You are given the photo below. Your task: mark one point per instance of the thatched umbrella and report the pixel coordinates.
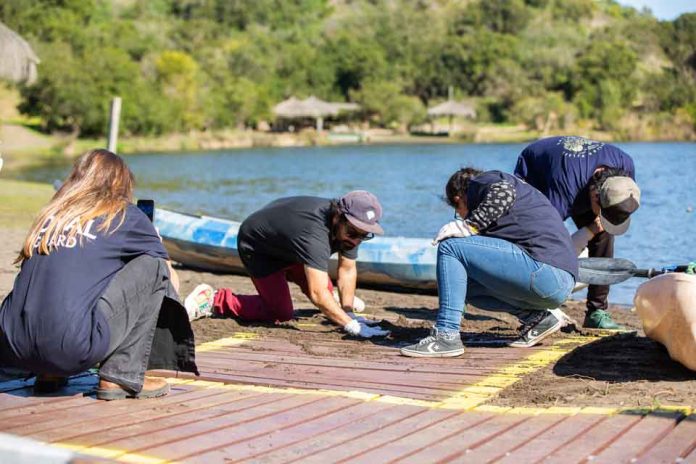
(453, 108)
(311, 107)
(17, 60)
(290, 108)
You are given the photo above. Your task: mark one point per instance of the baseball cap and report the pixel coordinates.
(362, 209)
(619, 197)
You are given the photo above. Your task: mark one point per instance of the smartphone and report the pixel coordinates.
(147, 207)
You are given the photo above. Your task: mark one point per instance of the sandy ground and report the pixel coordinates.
(620, 370)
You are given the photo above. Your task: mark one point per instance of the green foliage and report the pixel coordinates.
(504, 16)
(605, 87)
(679, 40)
(385, 102)
(572, 10)
(184, 65)
(544, 113)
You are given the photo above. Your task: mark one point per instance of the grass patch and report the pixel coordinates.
(21, 201)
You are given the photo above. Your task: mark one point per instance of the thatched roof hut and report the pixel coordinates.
(311, 107)
(453, 108)
(17, 60)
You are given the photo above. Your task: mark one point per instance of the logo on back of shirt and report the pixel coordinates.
(64, 239)
(579, 147)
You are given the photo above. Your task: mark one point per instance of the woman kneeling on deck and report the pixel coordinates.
(94, 276)
(507, 250)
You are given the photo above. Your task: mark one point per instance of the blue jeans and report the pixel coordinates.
(495, 275)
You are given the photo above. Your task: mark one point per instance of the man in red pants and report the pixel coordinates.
(291, 240)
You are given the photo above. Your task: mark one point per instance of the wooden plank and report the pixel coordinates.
(455, 445)
(149, 433)
(639, 438)
(288, 438)
(91, 419)
(166, 434)
(424, 394)
(25, 414)
(361, 429)
(689, 459)
(357, 374)
(232, 357)
(272, 361)
(420, 440)
(79, 407)
(679, 443)
(553, 439)
(395, 431)
(357, 377)
(226, 431)
(593, 440)
(507, 443)
(331, 348)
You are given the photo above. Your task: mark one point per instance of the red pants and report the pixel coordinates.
(272, 304)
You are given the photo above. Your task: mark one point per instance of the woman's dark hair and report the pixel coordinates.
(458, 184)
(599, 177)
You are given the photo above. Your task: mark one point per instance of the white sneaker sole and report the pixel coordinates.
(445, 354)
(563, 320)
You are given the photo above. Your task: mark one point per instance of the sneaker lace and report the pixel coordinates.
(602, 316)
(531, 321)
(427, 340)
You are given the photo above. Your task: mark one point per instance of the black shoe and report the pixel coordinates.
(436, 345)
(49, 383)
(539, 325)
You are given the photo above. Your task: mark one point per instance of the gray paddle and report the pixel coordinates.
(608, 271)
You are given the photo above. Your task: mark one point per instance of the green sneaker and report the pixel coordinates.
(600, 319)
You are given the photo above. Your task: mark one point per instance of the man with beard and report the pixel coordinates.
(592, 183)
(291, 240)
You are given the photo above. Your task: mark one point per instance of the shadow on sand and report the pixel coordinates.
(623, 358)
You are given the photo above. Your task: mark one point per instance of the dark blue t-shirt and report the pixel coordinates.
(561, 168)
(531, 222)
(50, 322)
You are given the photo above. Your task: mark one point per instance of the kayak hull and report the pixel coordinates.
(210, 244)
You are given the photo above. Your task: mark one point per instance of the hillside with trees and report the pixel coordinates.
(183, 65)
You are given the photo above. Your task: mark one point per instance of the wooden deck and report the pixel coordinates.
(273, 401)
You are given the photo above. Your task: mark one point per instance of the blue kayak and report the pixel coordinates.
(210, 244)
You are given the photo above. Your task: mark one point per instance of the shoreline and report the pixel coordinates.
(24, 148)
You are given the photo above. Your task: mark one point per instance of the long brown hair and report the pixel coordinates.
(100, 184)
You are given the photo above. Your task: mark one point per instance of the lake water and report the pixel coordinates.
(409, 181)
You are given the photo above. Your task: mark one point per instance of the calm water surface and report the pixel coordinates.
(409, 181)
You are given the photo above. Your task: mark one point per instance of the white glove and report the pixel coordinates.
(358, 304)
(456, 228)
(363, 320)
(359, 329)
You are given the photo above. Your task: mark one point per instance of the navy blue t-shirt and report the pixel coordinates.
(531, 222)
(287, 231)
(50, 322)
(561, 168)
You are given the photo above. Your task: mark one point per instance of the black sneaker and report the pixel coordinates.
(539, 325)
(436, 345)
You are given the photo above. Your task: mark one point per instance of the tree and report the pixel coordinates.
(385, 103)
(602, 80)
(177, 76)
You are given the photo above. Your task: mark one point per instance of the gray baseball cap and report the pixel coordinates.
(619, 197)
(362, 209)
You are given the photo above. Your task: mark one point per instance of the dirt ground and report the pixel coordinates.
(623, 370)
(626, 370)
